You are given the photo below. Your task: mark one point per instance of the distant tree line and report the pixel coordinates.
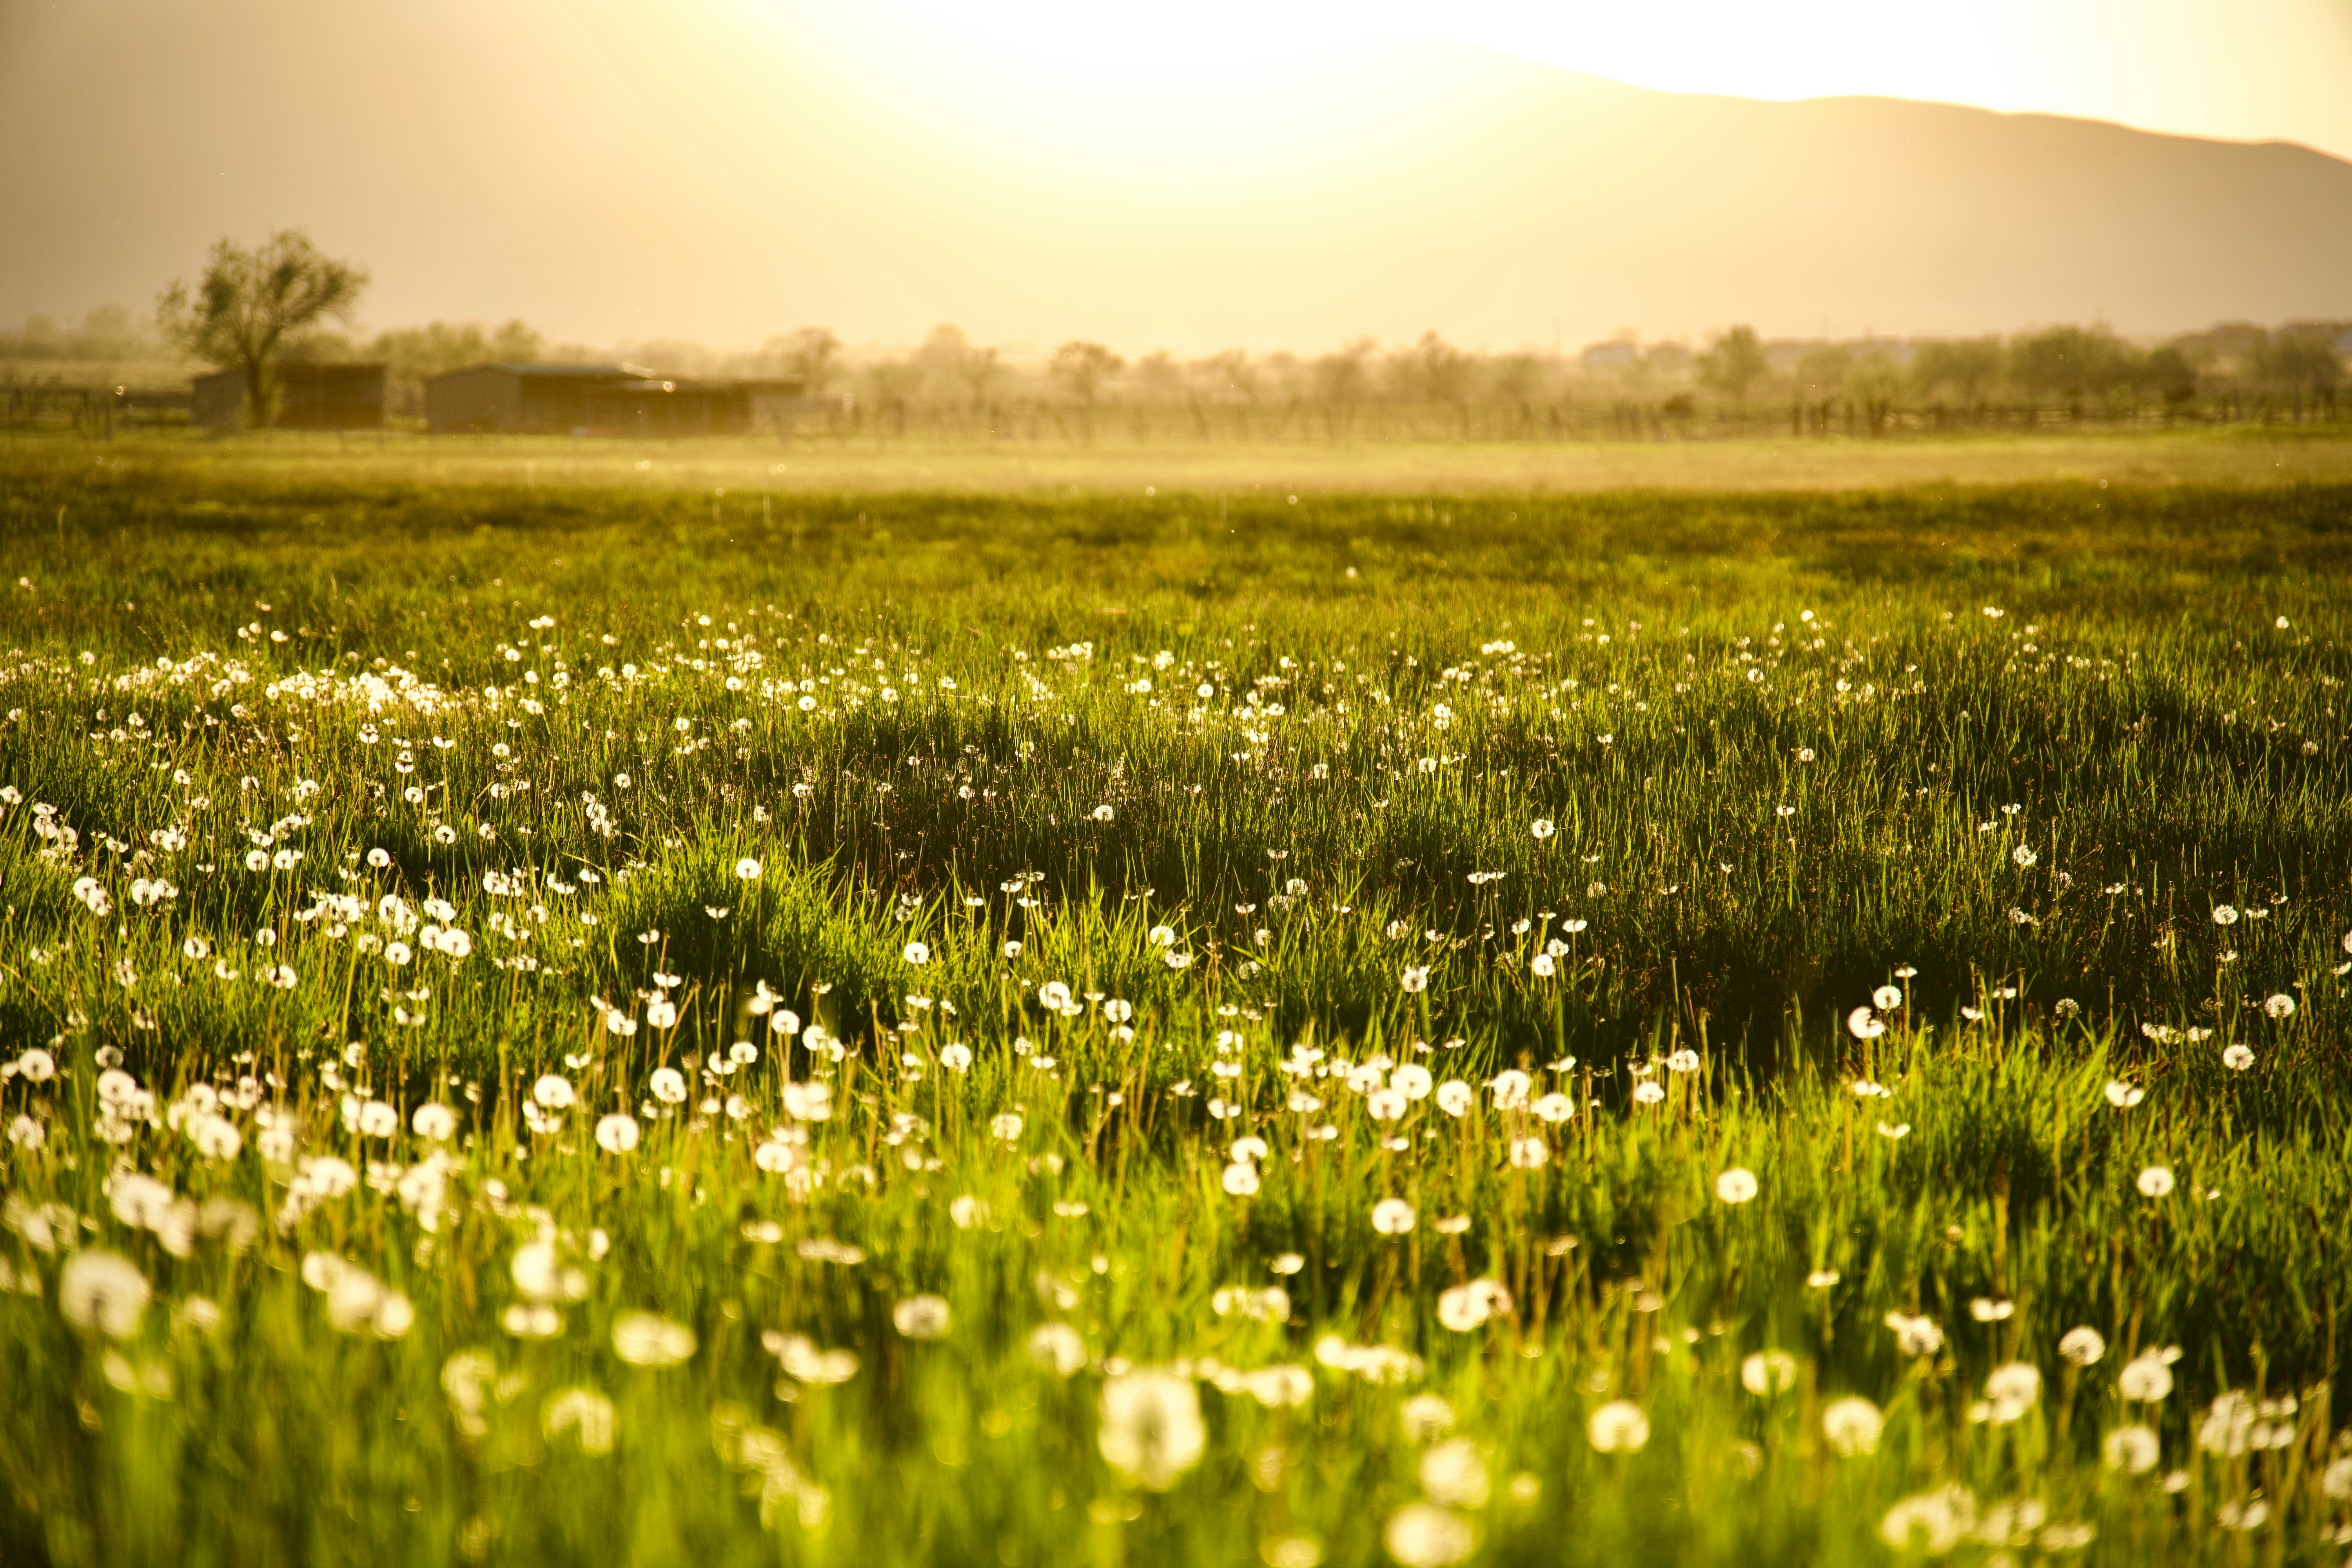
(284, 300)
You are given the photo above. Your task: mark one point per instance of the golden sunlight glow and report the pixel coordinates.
(2256, 69)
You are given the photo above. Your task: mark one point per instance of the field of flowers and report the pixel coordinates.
(564, 1024)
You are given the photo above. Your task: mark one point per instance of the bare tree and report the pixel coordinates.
(812, 355)
(1431, 371)
(1340, 377)
(250, 300)
(976, 368)
(1735, 364)
(1233, 368)
(1083, 365)
(1969, 366)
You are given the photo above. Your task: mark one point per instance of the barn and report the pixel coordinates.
(601, 400)
(501, 398)
(309, 397)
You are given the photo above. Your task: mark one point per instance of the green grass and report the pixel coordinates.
(1789, 753)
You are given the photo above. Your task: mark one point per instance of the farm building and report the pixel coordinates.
(654, 405)
(309, 397)
(602, 400)
(544, 399)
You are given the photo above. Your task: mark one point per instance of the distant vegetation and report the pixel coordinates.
(1739, 383)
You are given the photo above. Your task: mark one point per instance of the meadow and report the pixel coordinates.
(572, 1018)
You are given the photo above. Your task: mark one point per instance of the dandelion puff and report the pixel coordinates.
(2225, 914)
(1887, 998)
(1618, 1428)
(1416, 980)
(646, 1338)
(1393, 1217)
(748, 869)
(2156, 1182)
(105, 1291)
(1542, 827)
(554, 1091)
(1853, 1426)
(922, 1317)
(1736, 1185)
(1151, 1428)
(617, 1133)
(1945, 1516)
(2010, 1391)
(668, 1086)
(2237, 1058)
(2133, 1450)
(918, 953)
(1058, 1348)
(1452, 1473)
(1768, 1373)
(2146, 1378)
(583, 1413)
(1863, 1024)
(2082, 1347)
(1241, 1179)
(1423, 1535)
(2279, 1005)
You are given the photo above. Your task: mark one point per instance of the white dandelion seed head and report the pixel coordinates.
(1618, 1426)
(922, 1317)
(2146, 1378)
(1853, 1426)
(1423, 1535)
(1151, 1429)
(1768, 1373)
(617, 1133)
(649, 1340)
(103, 1291)
(2133, 1450)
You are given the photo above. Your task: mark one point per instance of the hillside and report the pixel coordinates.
(610, 177)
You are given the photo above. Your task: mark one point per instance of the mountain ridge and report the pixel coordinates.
(610, 178)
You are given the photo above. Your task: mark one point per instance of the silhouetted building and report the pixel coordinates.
(651, 406)
(544, 399)
(309, 397)
(601, 400)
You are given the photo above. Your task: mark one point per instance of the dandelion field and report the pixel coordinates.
(560, 1023)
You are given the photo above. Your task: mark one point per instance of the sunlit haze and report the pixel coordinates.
(1195, 177)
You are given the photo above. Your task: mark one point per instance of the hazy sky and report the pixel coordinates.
(2244, 69)
(1194, 175)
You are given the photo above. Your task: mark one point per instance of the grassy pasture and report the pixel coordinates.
(1114, 461)
(1507, 856)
